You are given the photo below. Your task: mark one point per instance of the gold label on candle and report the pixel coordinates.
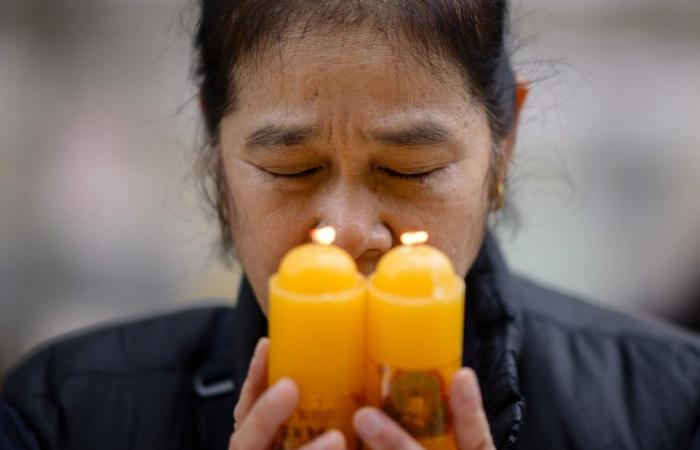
(416, 400)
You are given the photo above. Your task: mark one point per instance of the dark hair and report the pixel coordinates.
(471, 34)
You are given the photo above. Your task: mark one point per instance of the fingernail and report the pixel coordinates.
(281, 389)
(258, 346)
(470, 389)
(368, 422)
(330, 439)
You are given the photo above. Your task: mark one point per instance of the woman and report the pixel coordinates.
(374, 117)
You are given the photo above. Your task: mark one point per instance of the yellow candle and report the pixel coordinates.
(415, 315)
(317, 338)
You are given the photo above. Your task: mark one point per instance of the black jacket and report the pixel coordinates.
(556, 373)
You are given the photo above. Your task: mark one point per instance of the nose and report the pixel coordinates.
(356, 215)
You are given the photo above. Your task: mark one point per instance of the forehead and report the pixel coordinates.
(356, 68)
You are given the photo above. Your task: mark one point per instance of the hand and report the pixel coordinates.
(261, 411)
(471, 427)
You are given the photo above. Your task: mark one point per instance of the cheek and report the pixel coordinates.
(456, 218)
(263, 225)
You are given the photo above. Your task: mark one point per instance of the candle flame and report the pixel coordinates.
(414, 237)
(323, 236)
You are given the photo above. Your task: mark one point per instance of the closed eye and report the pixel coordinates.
(293, 175)
(407, 176)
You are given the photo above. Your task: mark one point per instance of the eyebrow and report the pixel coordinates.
(422, 134)
(270, 136)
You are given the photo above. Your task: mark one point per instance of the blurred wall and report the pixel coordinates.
(100, 215)
(607, 177)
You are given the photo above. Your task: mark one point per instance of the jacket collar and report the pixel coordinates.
(491, 339)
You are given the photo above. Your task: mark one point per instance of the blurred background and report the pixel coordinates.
(101, 217)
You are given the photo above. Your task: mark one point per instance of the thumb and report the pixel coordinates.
(472, 429)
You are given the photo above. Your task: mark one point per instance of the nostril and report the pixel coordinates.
(368, 261)
(366, 268)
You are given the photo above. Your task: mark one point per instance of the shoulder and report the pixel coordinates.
(159, 342)
(118, 363)
(548, 309)
(616, 379)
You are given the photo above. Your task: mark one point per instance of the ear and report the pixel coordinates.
(522, 90)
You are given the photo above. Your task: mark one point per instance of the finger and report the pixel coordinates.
(330, 440)
(379, 432)
(262, 423)
(471, 425)
(255, 382)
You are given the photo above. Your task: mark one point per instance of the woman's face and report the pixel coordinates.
(351, 132)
